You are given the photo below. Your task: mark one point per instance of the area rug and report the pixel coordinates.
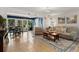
(62, 45)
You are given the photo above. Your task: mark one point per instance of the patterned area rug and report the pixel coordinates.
(62, 45)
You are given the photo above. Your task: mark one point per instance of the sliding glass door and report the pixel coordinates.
(11, 24)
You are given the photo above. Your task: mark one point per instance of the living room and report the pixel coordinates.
(54, 29)
(62, 27)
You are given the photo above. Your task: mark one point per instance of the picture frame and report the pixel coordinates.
(61, 20)
(72, 20)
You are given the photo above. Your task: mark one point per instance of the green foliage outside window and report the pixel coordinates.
(2, 22)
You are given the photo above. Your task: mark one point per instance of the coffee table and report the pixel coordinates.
(51, 35)
(55, 36)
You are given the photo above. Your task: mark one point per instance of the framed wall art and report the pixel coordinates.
(61, 20)
(72, 20)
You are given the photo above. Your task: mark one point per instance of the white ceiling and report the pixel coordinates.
(41, 11)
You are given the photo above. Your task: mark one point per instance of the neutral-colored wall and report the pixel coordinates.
(68, 14)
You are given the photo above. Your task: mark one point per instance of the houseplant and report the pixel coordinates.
(2, 23)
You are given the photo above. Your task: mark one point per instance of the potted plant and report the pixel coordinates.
(2, 32)
(2, 23)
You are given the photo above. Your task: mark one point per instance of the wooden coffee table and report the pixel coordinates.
(55, 36)
(51, 35)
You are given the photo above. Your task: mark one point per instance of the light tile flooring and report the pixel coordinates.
(28, 43)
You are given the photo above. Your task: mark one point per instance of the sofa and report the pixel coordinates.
(67, 32)
(38, 31)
